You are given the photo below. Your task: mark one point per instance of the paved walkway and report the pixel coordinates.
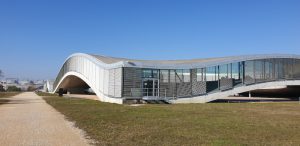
(27, 120)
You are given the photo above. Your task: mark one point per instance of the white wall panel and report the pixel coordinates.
(106, 78)
(80, 65)
(90, 71)
(84, 66)
(118, 82)
(94, 73)
(99, 79)
(111, 82)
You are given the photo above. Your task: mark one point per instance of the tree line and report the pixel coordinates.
(9, 88)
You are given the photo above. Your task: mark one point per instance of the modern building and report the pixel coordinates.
(117, 80)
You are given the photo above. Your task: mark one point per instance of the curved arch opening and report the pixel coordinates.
(75, 85)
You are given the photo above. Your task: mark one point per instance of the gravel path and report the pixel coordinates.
(27, 120)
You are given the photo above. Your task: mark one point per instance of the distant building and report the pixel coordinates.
(12, 81)
(24, 82)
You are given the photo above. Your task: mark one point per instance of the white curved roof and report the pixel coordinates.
(113, 62)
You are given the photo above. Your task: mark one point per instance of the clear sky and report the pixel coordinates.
(36, 36)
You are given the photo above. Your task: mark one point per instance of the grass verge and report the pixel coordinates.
(185, 124)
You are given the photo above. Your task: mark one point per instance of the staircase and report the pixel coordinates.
(156, 100)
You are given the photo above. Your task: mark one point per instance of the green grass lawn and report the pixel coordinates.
(184, 124)
(6, 95)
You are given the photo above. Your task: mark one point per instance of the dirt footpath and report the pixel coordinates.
(27, 120)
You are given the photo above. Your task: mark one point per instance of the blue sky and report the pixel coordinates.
(36, 36)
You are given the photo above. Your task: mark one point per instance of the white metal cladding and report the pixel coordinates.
(118, 82)
(115, 82)
(94, 75)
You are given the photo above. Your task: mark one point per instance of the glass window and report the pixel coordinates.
(186, 75)
(211, 73)
(236, 70)
(271, 68)
(276, 75)
(155, 73)
(147, 73)
(172, 76)
(164, 76)
(280, 69)
(259, 68)
(288, 68)
(179, 75)
(297, 69)
(223, 71)
(150, 73)
(267, 70)
(200, 76)
(249, 70)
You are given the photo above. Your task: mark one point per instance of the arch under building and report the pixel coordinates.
(117, 80)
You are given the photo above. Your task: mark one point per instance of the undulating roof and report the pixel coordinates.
(111, 60)
(186, 64)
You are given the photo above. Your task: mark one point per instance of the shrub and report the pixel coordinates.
(13, 89)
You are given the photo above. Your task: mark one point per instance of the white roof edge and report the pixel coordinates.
(98, 62)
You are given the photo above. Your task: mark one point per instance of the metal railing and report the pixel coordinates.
(150, 93)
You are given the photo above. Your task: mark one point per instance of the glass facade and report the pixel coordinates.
(224, 71)
(187, 82)
(249, 77)
(200, 74)
(186, 76)
(150, 73)
(164, 76)
(211, 73)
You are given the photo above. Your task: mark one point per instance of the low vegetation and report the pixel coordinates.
(13, 89)
(185, 124)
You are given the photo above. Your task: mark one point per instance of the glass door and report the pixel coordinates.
(150, 87)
